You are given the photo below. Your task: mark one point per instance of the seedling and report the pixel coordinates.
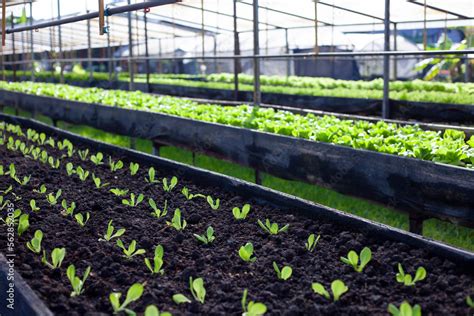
(152, 310)
(76, 283)
(169, 187)
(53, 199)
(68, 210)
(35, 243)
(97, 158)
(197, 289)
(133, 294)
(53, 163)
(83, 174)
(272, 228)
(33, 206)
(157, 261)
(83, 154)
(118, 192)
(283, 274)
(158, 213)
(151, 176)
(42, 189)
(189, 196)
(405, 309)
(246, 253)
(252, 308)
(98, 182)
(241, 214)
(57, 257)
(213, 204)
(134, 168)
(407, 279)
(208, 237)
(70, 169)
(180, 299)
(132, 250)
(312, 242)
(23, 223)
(353, 259)
(177, 222)
(469, 300)
(81, 219)
(109, 235)
(114, 166)
(11, 220)
(133, 202)
(338, 288)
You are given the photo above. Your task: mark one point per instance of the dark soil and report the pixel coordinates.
(443, 292)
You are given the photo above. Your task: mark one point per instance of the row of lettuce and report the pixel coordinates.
(416, 90)
(449, 147)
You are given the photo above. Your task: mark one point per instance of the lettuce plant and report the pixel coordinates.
(272, 228)
(168, 187)
(152, 310)
(114, 166)
(42, 189)
(132, 250)
(97, 158)
(70, 169)
(82, 219)
(241, 214)
(151, 176)
(197, 289)
(158, 213)
(68, 210)
(53, 163)
(246, 252)
(180, 299)
(157, 265)
(118, 192)
(83, 174)
(188, 195)
(133, 294)
(252, 308)
(133, 202)
(206, 238)
(57, 257)
(405, 309)
(469, 300)
(283, 274)
(76, 282)
(407, 279)
(177, 222)
(23, 223)
(98, 183)
(214, 204)
(35, 243)
(312, 242)
(134, 168)
(109, 234)
(338, 288)
(83, 154)
(353, 259)
(33, 206)
(53, 198)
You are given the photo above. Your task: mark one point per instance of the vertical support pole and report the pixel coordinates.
(32, 48)
(256, 51)
(316, 44)
(386, 63)
(89, 51)
(415, 224)
(109, 54)
(130, 51)
(467, 72)
(160, 70)
(147, 61)
(4, 21)
(287, 51)
(203, 48)
(395, 48)
(258, 177)
(60, 42)
(236, 53)
(101, 17)
(425, 32)
(13, 48)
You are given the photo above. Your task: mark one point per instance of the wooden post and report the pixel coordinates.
(4, 21)
(101, 17)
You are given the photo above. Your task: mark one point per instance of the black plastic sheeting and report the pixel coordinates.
(26, 302)
(411, 185)
(403, 110)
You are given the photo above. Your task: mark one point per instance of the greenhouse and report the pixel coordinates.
(237, 157)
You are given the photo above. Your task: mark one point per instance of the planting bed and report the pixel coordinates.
(225, 274)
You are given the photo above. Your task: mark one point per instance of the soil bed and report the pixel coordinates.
(225, 274)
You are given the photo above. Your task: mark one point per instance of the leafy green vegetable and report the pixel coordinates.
(169, 187)
(158, 213)
(33, 206)
(118, 192)
(252, 308)
(197, 289)
(312, 242)
(83, 154)
(180, 299)
(214, 204)
(114, 166)
(246, 252)
(23, 223)
(132, 250)
(70, 169)
(133, 202)
(206, 238)
(57, 257)
(283, 274)
(469, 301)
(83, 174)
(82, 219)
(152, 310)
(151, 176)
(241, 214)
(157, 261)
(407, 279)
(405, 310)
(35, 243)
(134, 168)
(76, 282)
(272, 228)
(53, 198)
(133, 294)
(68, 210)
(353, 259)
(177, 222)
(97, 158)
(109, 235)
(98, 183)
(338, 288)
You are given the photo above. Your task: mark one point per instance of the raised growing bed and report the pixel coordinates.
(444, 290)
(423, 189)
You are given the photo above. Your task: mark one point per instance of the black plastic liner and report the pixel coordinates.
(403, 110)
(421, 188)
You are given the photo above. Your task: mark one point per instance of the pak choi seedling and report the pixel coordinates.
(109, 234)
(35, 243)
(151, 176)
(97, 158)
(338, 288)
(98, 183)
(246, 253)
(33, 206)
(23, 223)
(272, 228)
(114, 166)
(158, 213)
(283, 274)
(133, 202)
(68, 209)
(83, 174)
(134, 168)
(132, 250)
(405, 309)
(353, 259)
(82, 219)
(177, 222)
(133, 294)
(407, 279)
(118, 192)
(241, 214)
(312, 242)
(77, 283)
(252, 308)
(214, 204)
(157, 265)
(168, 187)
(57, 257)
(206, 238)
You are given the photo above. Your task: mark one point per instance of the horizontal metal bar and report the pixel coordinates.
(92, 15)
